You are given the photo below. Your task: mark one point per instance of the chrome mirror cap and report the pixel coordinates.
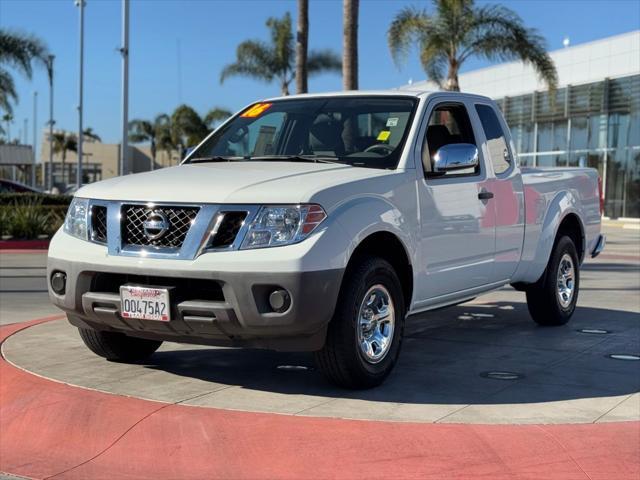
(455, 156)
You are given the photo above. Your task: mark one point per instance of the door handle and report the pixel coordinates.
(484, 195)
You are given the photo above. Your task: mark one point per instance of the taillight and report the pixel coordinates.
(601, 194)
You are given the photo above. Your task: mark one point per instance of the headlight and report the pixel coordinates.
(283, 225)
(76, 221)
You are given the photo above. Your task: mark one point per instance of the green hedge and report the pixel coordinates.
(29, 198)
(27, 216)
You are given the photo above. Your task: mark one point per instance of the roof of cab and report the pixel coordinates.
(405, 92)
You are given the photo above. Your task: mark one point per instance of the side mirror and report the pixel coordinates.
(455, 156)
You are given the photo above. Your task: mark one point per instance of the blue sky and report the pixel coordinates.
(208, 32)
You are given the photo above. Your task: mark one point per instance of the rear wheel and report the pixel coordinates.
(365, 334)
(552, 299)
(118, 346)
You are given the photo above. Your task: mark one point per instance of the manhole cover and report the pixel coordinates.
(624, 356)
(293, 368)
(594, 331)
(502, 375)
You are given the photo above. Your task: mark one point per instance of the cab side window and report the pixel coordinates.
(449, 123)
(496, 141)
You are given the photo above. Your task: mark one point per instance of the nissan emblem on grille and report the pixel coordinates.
(156, 224)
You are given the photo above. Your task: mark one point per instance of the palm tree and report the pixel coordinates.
(8, 119)
(63, 142)
(154, 132)
(275, 60)
(189, 128)
(302, 46)
(89, 134)
(18, 51)
(458, 30)
(350, 44)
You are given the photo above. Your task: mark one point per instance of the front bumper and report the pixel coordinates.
(235, 312)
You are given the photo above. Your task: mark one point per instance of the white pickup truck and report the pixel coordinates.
(320, 223)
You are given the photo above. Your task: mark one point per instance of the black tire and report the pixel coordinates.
(118, 346)
(542, 298)
(341, 359)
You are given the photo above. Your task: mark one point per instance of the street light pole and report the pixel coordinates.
(51, 122)
(124, 50)
(80, 4)
(35, 138)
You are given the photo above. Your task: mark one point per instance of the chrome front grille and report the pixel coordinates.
(99, 224)
(228, 229)
(180, 220)
(177, 232)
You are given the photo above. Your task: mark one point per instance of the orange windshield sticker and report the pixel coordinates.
(256, 110)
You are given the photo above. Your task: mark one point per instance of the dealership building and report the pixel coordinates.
(594, 119)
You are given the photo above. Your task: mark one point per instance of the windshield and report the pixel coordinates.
(359, 131)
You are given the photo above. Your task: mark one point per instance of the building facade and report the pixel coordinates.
(592, 120)
(100, 162)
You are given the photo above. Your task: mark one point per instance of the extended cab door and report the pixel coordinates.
(457, 217)
(507, 189)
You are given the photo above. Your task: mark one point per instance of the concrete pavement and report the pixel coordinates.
(563, 374)
(23, 288)
(571, 411)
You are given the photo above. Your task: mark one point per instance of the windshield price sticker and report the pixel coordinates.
(256, 110)
(392, 122)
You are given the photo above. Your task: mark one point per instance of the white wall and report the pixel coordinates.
(615, 56)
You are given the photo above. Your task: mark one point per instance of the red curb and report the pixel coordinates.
(53, 429)
(13, 252)
(24, 244)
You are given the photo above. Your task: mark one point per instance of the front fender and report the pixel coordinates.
(365, 216)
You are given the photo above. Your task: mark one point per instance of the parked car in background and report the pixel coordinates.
(320, 223)
(10, 186)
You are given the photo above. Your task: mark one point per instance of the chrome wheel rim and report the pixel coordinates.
(566, 281)
(376, 322)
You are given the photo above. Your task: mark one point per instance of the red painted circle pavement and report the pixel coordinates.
(49, 429)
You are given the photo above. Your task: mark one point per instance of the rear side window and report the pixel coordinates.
(496, 141)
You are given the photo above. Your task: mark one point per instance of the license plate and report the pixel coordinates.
(145, 303)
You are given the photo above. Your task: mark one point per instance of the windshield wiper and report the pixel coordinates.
(217, 158)
(298, 158)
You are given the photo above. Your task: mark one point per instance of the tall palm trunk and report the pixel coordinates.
(64, 171)
(153, 153)
(302, 41)
(284, 88)
(350, 45)
(452, 76)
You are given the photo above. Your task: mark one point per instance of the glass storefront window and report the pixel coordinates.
(545, 137)
(560, 135)
(605, 123)
(579, 133)
(597, 131)
(618, 130)
(632, 198)
(616, 176)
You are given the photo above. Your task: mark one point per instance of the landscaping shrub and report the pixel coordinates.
(29, 216)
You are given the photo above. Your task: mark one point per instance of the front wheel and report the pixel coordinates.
(552, 299)
(365, 334)
(118, 346)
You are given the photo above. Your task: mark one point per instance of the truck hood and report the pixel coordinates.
(229, 183)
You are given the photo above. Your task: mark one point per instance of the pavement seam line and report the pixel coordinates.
(614, 407)
(564, 449)
(121, 436)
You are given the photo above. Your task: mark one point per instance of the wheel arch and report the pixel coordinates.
(388, 246)
(563, 215)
